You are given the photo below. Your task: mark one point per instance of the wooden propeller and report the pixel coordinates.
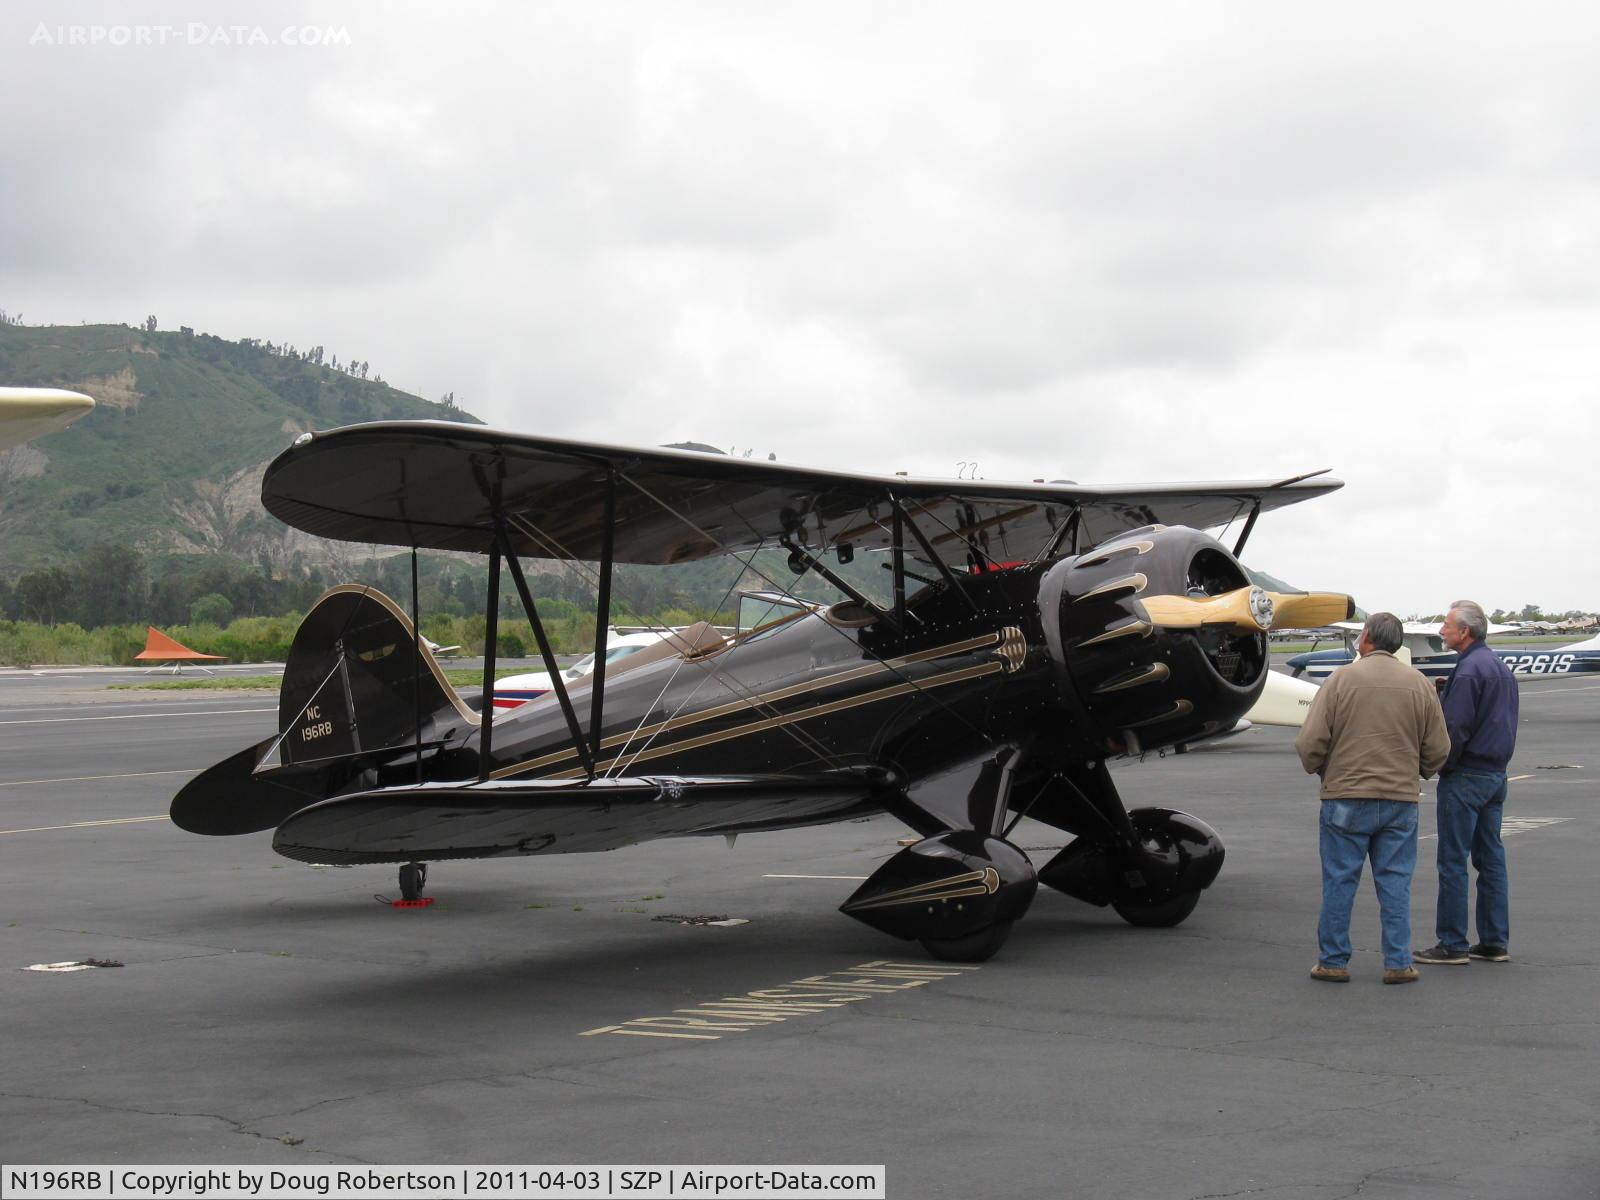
(1249, 610)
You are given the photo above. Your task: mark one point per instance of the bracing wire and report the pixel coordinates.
(717, 671)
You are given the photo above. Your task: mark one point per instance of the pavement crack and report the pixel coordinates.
(234, 1126)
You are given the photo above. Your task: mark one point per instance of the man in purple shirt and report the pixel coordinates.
(1480, 711)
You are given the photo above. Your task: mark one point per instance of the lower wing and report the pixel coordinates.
(501, 818)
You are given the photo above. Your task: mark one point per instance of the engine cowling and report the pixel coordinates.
(1171, 672)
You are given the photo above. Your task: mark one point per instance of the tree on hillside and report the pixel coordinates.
(41, 595)
(150, 323)
(108, 586)
(211, 609)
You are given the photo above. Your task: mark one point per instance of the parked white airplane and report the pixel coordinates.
(1421, 641)
(27, 413)
(1429, 655)
(1284, 701)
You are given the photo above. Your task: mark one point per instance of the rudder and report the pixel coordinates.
(356, 681)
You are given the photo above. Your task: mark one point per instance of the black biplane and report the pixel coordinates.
(1027, 633)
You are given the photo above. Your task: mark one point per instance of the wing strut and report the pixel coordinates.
(899, 567)
(1244, 534)
(1068, 533)
(491, 620)
(801, 559)
(579, 742)
(602, 613)
(416, 663)
(932, 554)
(1255, 511)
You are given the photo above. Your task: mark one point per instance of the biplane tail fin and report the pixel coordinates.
(360, 691)
(358, 683)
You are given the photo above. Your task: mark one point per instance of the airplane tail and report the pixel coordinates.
(359, 683)
(359, 692)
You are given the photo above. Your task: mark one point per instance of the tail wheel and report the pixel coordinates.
(974, 947)
(1164, 914)
(413, 878)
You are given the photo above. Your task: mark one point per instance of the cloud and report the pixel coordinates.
(1152, 241)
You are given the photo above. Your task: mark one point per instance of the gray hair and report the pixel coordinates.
(1471, 617)
(1384, 631)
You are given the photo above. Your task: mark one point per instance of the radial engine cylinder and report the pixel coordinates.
(1142, 678)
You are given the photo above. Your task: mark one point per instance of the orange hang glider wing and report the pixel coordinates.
(158, 647)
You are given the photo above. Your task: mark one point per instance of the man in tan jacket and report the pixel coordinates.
(1373, 730)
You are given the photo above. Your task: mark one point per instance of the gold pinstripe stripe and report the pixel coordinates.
(733, 706)
(822, 710)
(1138, 627)
(952, 887)
(399, 614)
(1134, 583)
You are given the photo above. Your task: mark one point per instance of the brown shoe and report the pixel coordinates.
(1330, 974)
(1400, 975)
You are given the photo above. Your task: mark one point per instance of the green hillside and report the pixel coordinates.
(170, 461)
(149, 508)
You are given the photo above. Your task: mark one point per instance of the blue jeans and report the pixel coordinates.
(1470, 804)
(1353, 830)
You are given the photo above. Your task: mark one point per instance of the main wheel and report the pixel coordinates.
(412, 877)
(975, 947)
(1163, 914)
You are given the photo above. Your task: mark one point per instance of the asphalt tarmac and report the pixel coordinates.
(270, 1012)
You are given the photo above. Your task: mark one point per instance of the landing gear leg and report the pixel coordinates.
(413, 878)
(1150, 864)
(957, 891)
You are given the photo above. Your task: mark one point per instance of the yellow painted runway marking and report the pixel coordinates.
(88, 824)
(713, 1019)
(215, 712)
(92, 778)
(813, 877)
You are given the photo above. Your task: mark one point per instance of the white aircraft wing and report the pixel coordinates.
(27, 413)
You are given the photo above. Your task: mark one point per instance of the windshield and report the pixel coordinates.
(585, 665)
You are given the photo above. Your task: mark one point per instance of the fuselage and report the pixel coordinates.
(816, 691)
(1051, 655)
(1441, 664)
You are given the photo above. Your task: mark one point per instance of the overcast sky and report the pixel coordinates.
(1100, 242)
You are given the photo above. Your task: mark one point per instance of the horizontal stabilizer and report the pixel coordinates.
(507, 817)
(230, 798)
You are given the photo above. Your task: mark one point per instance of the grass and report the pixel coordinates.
(458, 677)
(257, 682)
(473, 676)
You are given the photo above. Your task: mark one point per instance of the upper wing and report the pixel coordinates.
(442, 485)
(508, 817)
